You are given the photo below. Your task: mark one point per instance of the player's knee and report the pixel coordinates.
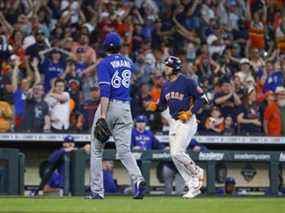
(123, 153)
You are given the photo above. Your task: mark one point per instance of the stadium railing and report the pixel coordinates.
(48, 137)
(12, 172)
(208, 159)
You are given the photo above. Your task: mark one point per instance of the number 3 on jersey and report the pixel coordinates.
(123, 80)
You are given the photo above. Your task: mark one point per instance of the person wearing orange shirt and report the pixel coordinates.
(272, 117)
(156, 87)
(5, 116)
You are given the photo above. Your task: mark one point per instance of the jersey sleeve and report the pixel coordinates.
(198, 94)
(104, 79)
(56, 155)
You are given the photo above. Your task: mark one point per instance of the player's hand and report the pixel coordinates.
(256, 122)
(184, 115)
(152, 106)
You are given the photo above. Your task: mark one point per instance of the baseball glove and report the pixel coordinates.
(102, 131)
(152, 106)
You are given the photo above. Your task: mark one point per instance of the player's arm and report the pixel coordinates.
(200, 100)
(105, 88)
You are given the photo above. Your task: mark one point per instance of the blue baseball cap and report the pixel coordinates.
(68, 138)
(141, 119)
(112, 39)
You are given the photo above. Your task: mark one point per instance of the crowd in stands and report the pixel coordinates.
(234, 49)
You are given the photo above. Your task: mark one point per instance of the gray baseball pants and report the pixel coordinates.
(120, 122)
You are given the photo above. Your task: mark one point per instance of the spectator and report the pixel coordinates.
(215, 123)
(52, 67)
(246, 36)
(245, 72)
(73, 83)
(143, 139)
(59, 107)
(229, 129)
(274, 78)
(35, 44)
(227, 99)
(21, 89)
(83, 46)
(81, 63)
(88, 109)
(248, 118)
(142, 99)
(272, 116)
(5, 116)
(257, 26)
(52, 174)
(280, 93)
(36, 117)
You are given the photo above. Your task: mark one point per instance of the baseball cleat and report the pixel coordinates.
(33, 193)
(191, 194)
(139, 189)
(94, 196)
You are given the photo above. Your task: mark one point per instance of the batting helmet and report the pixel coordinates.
(68, 139)
(112, 40)
(141, 119)
(173, 62)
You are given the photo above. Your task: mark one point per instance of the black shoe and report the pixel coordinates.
(34, 193)
(93, 196)
(140, 187)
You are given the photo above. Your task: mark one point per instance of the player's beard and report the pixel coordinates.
(168, 76)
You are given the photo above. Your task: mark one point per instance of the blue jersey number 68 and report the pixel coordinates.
(123, 80)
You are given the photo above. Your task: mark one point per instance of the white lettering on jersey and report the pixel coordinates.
(174, 95)
(123, 80)
(120, 63)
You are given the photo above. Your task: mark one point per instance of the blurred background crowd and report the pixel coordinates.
(235, 50)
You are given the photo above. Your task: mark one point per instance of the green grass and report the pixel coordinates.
(148, 205)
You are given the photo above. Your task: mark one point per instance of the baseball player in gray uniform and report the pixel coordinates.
(113, 117)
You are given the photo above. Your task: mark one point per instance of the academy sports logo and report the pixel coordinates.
(164, 155)
(211, 156)
(246, 156)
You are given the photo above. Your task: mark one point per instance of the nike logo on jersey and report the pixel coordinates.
(174, 95)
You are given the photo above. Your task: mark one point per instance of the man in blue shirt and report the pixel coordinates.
(53, 177)
(114, 76)
(52, 68)
(143, 139)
